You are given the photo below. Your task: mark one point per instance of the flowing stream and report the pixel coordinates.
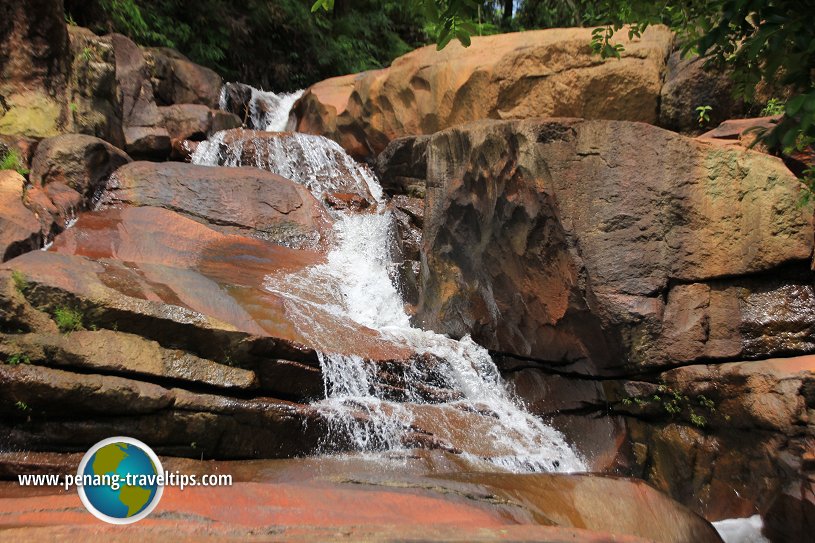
(452, 392)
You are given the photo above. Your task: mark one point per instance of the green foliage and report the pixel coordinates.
(11, 160)
(808, 180)
(774, 107)
(276, 45)
(22, 406)
(20, 282)
(68, 319)
(703, 115)
(18, 358)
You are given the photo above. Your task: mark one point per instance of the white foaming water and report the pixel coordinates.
(741, 530)
(451, 393)
(354, 283)
(267, 110)
(314, 161)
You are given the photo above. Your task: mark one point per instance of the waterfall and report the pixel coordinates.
(451, 393)
(314, 161)
(267, 110)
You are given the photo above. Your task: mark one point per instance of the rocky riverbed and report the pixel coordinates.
(511, 286)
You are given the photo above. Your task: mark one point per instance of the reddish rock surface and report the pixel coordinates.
(323, 499)
(152, 271)
(243, 201)
(19, 227)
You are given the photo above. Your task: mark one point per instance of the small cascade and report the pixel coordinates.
(451, 392)
(267, 110)
(314, 161)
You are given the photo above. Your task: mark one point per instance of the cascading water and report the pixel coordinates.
(267, 110)
(452, 391)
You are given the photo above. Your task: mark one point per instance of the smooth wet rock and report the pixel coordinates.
(508, 76)
(316, 499)
(19, 227)
(610, 246)
(236, 100)
(244, 201)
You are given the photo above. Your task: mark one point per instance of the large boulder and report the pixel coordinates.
(612, 247)
(751, 420)
(508, 76)
(81, 162)
(690, 84)
(177, 80)
(244, 201)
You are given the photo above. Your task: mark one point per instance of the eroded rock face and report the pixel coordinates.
(244, 201)
(612, 247)
(521, 75)
(94, 103)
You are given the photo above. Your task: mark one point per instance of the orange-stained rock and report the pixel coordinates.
(322, 499)
(244, 201)
(19, 227)
(614, 246)
(507, 76)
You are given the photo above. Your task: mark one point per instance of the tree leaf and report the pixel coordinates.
(795, 104)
